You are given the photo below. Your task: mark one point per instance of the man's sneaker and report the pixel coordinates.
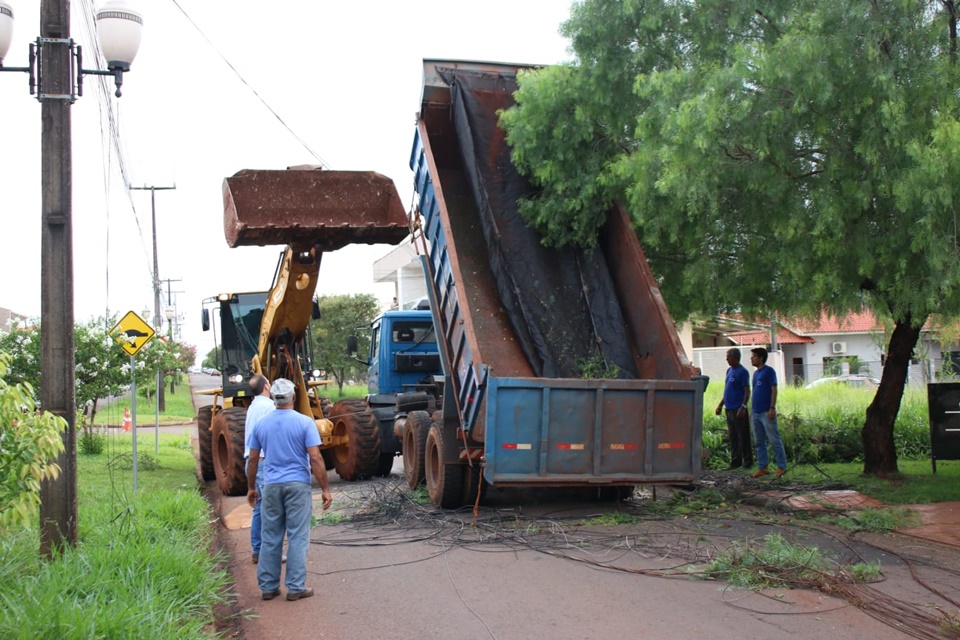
(297, 595)
(759, 473)
(780, 472)
(270, 595)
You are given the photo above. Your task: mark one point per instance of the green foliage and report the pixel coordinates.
(823, 425)
(30, 442)
(343, 316)
(144, 570)
(597, 367)
(212, 359)
(876, 520)
(756, 138)
(102, 368)
(775, 564)
(610, 519)
(92, 440)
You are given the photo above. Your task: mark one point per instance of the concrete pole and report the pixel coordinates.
(58, 497)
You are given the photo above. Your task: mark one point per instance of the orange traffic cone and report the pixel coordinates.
(127, 421)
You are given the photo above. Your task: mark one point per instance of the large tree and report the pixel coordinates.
(342, 316)
(776, 156)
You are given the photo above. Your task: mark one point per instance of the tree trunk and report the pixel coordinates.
(879, 452)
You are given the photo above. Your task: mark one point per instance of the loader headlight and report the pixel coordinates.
(236, 379)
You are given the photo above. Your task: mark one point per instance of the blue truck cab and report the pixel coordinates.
(404, 368)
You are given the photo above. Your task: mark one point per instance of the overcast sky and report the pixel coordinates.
(344, 76)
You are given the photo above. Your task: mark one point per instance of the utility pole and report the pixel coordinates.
(58, 497)
(157, 319)
(170, 319)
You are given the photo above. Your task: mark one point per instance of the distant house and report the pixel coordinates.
(8, 318)
(828, 346)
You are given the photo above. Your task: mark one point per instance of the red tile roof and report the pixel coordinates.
(853, 322)
(784, 336)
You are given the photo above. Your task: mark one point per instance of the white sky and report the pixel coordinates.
(344, 76)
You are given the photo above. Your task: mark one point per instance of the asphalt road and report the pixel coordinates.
(538, 565)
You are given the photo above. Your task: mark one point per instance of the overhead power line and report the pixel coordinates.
(322, 162)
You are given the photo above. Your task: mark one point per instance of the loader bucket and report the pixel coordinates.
(306, 208)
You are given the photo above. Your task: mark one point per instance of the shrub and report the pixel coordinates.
(30, 441)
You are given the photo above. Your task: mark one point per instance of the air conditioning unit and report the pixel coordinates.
(838, 347)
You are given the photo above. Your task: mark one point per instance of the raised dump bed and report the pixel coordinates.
(520, 322)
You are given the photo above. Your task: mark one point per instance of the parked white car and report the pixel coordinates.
(849, 380)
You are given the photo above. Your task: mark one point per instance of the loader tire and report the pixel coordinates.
(414, 446)
(227, 436)
(444, 481)
(359, 459)
(326, 406)
(205, 443)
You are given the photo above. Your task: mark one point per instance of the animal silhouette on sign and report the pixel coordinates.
(131, 335)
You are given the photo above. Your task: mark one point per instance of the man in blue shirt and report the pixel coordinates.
(765, 415)
(291, 445)
(262, 405)
(736, 393)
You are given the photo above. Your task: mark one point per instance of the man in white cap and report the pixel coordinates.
(291, 444)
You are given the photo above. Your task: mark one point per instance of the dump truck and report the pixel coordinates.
(560, 367)
(310, 211)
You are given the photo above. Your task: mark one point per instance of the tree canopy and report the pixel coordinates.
(342, 316)
(776, 156)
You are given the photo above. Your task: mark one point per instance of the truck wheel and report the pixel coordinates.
(227, 437)
(414, 446)
(444, 481)
(205, 443)
(360, 458)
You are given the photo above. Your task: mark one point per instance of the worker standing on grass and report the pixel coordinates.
(736, 394)
(292, 446)
(262, 405)
(765, 415)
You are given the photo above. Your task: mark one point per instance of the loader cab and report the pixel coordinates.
(238, 316)
(403, 352)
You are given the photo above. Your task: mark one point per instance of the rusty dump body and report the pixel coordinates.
(517, 319)
(312, 208)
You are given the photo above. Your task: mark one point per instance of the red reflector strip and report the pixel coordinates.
(516, 445)
(473, 454)
(624, 447)
(671, 445)
(566, 446)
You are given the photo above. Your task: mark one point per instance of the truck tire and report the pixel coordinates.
(414, 446)
(227, 436)
(444, 481)
(360, 458)
(205, 443)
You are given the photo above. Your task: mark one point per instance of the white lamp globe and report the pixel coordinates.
(6, 29)
(118, 28)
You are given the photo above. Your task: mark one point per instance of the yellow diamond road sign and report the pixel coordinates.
(132, 332)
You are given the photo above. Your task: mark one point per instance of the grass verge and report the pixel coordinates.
(143, 567)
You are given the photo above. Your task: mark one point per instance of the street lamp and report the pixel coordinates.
(118, 29)
(56, 75)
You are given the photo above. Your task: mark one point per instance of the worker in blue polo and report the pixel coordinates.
(736, 394)
(765, 415)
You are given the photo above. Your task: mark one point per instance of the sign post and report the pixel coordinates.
(131, 333)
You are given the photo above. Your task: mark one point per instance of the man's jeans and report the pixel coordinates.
(765, 431)
(287, 506)
(255, 535)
